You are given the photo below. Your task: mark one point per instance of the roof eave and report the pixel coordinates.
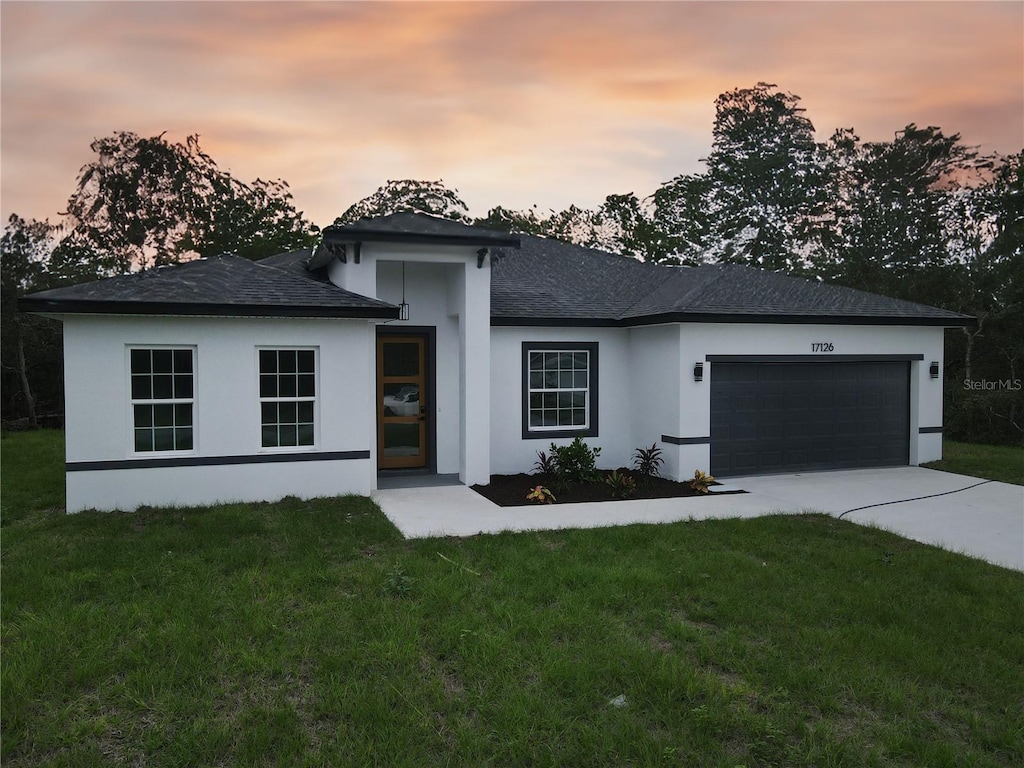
(350, 234)
(718, 317)
(798, 319)
(87, 307)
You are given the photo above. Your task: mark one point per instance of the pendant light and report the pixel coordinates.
(403, 308)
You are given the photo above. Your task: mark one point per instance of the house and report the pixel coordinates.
(417, 344)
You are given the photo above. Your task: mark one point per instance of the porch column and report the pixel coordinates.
(475, 373)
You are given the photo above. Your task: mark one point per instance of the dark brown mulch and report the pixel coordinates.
(511, 490)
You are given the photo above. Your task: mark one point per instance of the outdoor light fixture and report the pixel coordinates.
(935, 370)
(403, 308)
(698, 371)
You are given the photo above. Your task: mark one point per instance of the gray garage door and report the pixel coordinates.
(789, 417)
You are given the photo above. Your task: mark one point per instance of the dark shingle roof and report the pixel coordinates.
(550, 279)
(407, 227)
(223, 285)
(417, 227)
(550, 282)
(534, 281)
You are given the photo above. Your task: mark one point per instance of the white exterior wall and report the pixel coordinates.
(659, 392)
(701, 339)
(510, 453)
(647, 388)
(226, 412)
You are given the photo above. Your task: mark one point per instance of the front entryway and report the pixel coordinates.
(402, 399)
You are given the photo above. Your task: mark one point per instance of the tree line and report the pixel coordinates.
(922, 217)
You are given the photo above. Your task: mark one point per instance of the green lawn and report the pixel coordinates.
(312, 634)
(992, 462)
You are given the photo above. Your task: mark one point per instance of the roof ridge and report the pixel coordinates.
(681, 302)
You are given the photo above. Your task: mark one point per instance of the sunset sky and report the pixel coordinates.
(509, 103)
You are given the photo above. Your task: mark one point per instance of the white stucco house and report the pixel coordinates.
(412, 344)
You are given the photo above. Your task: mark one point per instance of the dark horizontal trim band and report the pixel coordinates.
(351, 235)
(824, 357)
(73, 307)
(719, 317)
(710, 317)
(685, 440)
(212, 461)
(930, 430)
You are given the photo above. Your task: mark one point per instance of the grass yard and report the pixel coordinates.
(311, 634)
(992, 462)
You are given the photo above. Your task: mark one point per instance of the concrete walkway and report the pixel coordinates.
(986, 521)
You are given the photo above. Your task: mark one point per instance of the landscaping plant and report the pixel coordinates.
(648, 461)
(545, 464)
(622, 486)
(701, 481)
(541, 495)
(576, 462)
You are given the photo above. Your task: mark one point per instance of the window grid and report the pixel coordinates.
(287, 397)
(559, 389)
(162, 395)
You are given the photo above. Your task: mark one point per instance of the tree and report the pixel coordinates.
(29, 343)
(763, 190)
(885, 222)
(146, 202)
(681, 225)
(507, 220)
(409, 195)
(623, 225)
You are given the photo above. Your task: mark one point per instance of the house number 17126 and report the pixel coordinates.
(822, 346)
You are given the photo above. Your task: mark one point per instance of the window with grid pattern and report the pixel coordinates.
(287, 397)
(559, 383)
(162, 390)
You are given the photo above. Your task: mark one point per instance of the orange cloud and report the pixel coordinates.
(513, 103)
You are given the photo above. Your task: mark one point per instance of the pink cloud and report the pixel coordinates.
(513, 103)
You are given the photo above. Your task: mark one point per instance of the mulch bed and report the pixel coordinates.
(511, 490)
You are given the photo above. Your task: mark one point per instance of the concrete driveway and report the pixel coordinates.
(980, 518)
(985, 521)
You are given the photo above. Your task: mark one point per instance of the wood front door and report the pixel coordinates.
(401, 402)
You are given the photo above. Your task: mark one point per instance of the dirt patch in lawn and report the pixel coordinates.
(511, 490)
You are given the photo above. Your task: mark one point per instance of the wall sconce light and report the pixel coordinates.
(403, 308)
(698, 371)
(934, 370)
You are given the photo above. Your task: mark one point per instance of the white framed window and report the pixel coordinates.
(287, 387)
(559, 389)
(162, 384)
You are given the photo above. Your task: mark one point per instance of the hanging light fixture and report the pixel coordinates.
(403, 308)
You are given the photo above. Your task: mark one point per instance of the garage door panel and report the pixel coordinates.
(781, 417)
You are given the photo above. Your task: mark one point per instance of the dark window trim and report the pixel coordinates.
(822, 358)
(686, 440)
(429, 332)
(577, 346)
(212, 461)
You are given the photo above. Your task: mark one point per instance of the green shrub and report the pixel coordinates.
(576, 462)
